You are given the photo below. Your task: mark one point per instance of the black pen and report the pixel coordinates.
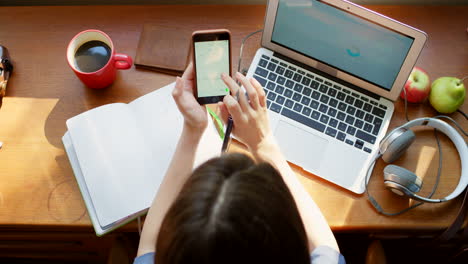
(227, 134)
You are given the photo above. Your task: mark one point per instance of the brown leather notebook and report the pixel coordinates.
(164, 48)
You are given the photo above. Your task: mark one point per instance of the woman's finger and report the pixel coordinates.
(177, 92)
(189, 73)
(236, 92)
(260, 92)
(251, 91)
(231, 84)
(233, 108)
(223, 112)
(243, 101)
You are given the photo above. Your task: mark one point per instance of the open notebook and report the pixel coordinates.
(120, 152)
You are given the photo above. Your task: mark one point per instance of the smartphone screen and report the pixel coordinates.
(212, 57)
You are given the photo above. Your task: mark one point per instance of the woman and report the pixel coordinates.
(232, 209)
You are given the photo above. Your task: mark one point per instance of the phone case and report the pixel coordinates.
(208, 35)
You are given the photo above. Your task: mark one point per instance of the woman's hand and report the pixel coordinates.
(251, 126)
(195, 117)
(250, 116)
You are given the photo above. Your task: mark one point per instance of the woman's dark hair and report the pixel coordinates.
(232, 210)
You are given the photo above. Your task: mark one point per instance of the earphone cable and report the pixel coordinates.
(406, 106)
(454, 122)
(462, 113)
(242, 47)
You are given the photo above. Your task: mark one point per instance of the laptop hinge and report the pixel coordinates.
(328, 76)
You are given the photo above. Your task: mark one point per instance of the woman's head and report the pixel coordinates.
(232, 210)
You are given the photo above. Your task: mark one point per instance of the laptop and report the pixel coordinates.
(331, 71)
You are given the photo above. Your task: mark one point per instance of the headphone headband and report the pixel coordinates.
(460, 145)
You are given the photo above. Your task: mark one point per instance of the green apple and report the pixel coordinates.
(447, 94)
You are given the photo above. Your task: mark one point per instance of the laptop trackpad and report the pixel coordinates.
(300, 147)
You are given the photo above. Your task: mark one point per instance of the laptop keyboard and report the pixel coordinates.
(314, 101)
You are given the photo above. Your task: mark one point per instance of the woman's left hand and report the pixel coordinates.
(195, 116)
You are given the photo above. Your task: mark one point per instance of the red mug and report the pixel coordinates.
(105, 73)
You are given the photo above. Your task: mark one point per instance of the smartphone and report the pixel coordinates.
(211, 57)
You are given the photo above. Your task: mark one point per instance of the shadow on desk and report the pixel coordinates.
(370, 249)
(356, 248)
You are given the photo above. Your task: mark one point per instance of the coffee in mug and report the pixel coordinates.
(92, 56)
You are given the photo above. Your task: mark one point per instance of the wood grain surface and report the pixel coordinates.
(37, 186)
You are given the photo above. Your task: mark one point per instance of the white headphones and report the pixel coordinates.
(404, 182)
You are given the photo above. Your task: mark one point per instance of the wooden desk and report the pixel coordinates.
(37, 187)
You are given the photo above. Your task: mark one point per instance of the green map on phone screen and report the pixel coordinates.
(212, 58)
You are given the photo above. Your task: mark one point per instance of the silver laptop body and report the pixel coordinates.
(331, 71)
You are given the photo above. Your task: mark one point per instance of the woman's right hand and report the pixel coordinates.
(250, 116)
(252, 127)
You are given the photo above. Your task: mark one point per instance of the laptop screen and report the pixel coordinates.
(342, 40)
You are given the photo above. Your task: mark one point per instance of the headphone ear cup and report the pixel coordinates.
(396, 148)
(401, 181)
